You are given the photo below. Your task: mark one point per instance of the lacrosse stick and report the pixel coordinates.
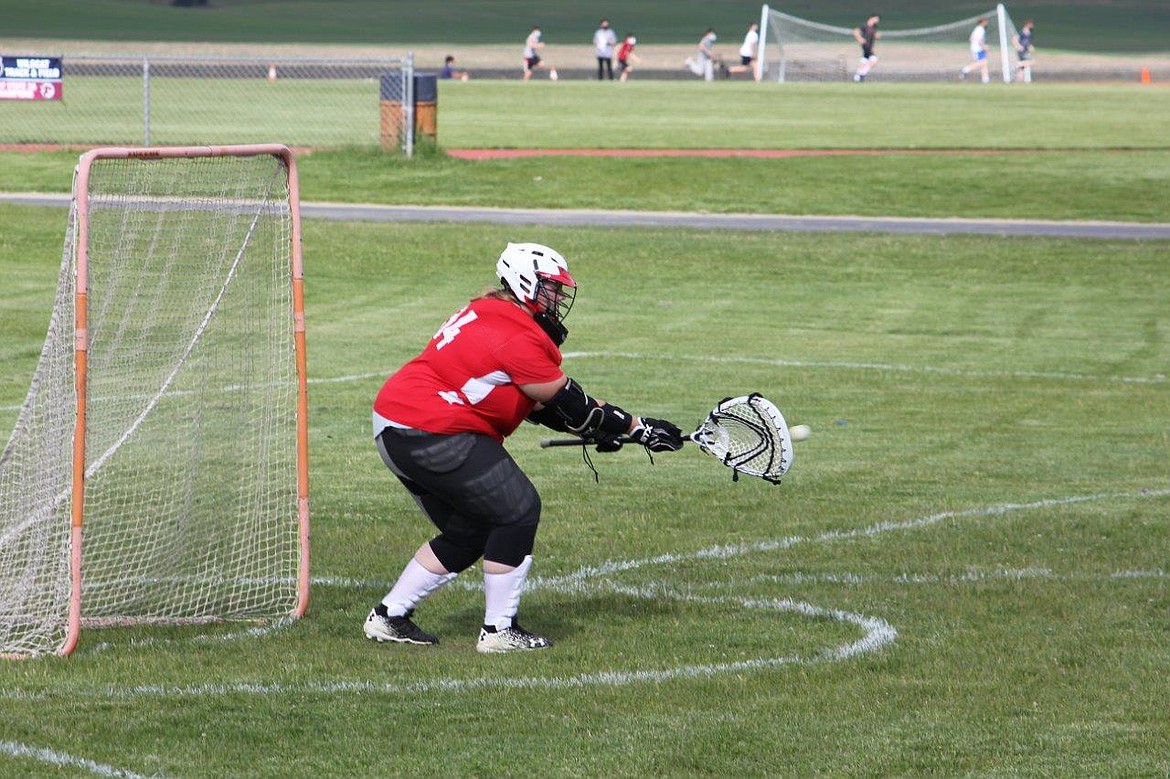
(748, 434)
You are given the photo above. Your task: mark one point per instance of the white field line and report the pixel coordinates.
(870, 366)
(850, 579)
(62, 760)
(999, 574)
(257, 631)
(878, 633)
(798, 578)
(1157, 378)
(779, 362)
(575, 583)
(612, 567)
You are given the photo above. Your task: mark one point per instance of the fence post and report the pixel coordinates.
(399, 114)
(145, 100)
(408, 107)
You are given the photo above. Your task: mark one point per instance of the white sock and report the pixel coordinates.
(412, 588)
(502, 594)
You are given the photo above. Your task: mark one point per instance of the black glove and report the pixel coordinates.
(658, 435)
(606, 442)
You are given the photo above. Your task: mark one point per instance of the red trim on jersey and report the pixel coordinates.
(467, 378)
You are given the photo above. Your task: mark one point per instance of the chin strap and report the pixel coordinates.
(554, 329)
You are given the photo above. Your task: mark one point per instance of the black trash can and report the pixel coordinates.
(425, 103)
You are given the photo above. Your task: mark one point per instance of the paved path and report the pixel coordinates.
(676, 219)
(509, 154)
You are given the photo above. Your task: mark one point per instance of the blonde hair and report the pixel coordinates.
(499, 293)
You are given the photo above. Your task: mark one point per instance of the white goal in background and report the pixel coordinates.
(795, 49)
(158, 471)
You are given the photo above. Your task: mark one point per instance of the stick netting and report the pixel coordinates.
(749, 435)
(797, 49)
(191, 503)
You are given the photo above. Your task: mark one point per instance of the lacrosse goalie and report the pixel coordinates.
(439, 425)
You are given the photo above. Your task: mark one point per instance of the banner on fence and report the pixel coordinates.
(30, 78)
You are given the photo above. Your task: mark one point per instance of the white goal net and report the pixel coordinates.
(157, 472)
(795, 49)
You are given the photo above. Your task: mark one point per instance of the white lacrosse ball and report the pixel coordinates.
(799, 432)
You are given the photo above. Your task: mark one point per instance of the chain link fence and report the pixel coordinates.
(155, 100)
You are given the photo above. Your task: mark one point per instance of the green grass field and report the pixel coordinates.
(650, 115)
(1084, 152)
(987, 480)
(966, 572)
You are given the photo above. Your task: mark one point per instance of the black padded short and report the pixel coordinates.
(471, 489)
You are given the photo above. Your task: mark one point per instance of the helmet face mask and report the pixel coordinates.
(555, 298)
(538, 277)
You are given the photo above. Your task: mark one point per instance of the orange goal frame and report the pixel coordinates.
(81, 338)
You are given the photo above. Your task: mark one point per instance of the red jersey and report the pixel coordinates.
(467, 378)
(624, 50)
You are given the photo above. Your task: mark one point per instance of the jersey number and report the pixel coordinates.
(452, 326)
(474, 390)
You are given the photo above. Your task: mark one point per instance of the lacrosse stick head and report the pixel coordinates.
(749, 435)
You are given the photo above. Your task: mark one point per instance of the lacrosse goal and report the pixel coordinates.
(795, 49)
(157, 471)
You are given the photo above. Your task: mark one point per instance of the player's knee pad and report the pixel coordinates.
(513, 536)
(458, 553)
(500, 511)
(510, 544)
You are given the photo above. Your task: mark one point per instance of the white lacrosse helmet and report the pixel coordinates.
(539, 278)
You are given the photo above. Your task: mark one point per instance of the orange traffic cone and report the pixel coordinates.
(1145, 75)
(272, 73)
